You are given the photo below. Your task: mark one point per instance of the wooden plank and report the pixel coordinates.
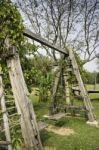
(10, 53)
(74, 107)
(54, 91)
(41, 40)
(67, 91)
(29, 126)
(84, 93)
(5, 116)
(93, 91)
(89, 91)
(57, 116)
(5, 143)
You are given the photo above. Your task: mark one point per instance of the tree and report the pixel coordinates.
(11, 38)
(65, 22)
(37, 72)
(90, 78)
(97, 77)
(10, 26)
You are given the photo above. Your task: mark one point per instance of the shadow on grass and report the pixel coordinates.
(45, 136)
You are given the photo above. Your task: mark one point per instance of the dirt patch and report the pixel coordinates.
(60, 130)
(49, 148)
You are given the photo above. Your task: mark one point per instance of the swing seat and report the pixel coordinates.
(57, 116)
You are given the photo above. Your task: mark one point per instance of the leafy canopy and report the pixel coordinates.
(10, 25)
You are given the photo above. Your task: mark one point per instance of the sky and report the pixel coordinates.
(92, 66)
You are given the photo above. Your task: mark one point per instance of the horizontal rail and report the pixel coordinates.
(89, 91)
(41, 40)
(5, 143)
(93, 91)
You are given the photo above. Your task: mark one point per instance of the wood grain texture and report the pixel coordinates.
(84, 93)
(5, 115)
(28, 123)
(41, 40)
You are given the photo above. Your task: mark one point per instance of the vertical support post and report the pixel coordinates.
(67, 90)
(5, 114)
(55, 88)
(28, 122)
(54, 91)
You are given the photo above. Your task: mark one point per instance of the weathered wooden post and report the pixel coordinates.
(5, 114)
(59, 74)
(52, 109)
(28, 122)
(67, 90)
(87, 102)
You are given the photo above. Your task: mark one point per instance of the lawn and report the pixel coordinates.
(91, 87)
(85, 138)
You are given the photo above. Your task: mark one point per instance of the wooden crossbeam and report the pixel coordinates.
(5, 143)
(9, 53)
(93, 91)
(73, 107)
(89, 91)
(41, 40)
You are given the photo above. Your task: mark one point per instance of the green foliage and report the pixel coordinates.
(81, 68)
(16, 135)
(10, 25)
(91, 77)
(37, 73)
(97, 77)
(11, 29)
(16, 140)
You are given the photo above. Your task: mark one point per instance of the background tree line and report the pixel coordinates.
(64, 22)
(92, 77)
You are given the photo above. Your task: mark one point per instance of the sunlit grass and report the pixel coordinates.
(85, 137)
(91, 87)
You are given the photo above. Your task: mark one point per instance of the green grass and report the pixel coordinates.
(91, 87)
(85, 137)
